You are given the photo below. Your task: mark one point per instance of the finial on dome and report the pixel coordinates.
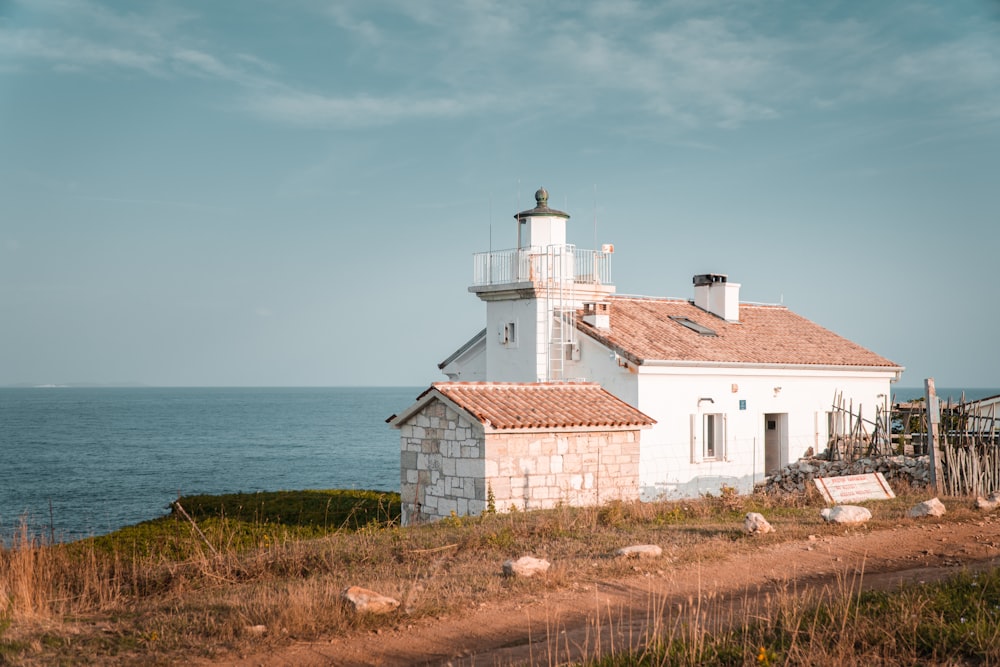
(542, 198)
(541, 208)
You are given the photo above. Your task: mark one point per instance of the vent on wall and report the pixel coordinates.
(508, 333)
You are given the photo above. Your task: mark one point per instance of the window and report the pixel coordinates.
(693, 326)
(834, 424)
(714, 436)
(508, 334)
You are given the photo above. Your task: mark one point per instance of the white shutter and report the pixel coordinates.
(724, 454)
(695, 439)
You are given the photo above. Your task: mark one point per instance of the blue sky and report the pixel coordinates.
(290, 193)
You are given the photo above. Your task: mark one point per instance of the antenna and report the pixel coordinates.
(491, 223)
(517, 207)
(595, 216)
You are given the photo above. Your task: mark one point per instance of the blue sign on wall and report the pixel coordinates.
(743, 404)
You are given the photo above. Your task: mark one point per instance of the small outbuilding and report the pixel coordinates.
(471, 446)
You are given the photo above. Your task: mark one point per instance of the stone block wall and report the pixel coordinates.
(449, 464)
(441, 465)
(542, 470)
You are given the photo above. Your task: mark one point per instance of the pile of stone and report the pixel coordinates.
(796, 476)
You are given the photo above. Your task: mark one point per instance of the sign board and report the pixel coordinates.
(853, 488)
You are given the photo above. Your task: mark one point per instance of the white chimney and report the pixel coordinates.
(597, 315)
(713, 292)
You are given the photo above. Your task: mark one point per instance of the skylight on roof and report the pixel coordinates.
(694, 326)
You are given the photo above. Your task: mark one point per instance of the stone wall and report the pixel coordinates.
(542, 470)
(441, 465)
(448, 464)
(794, 477)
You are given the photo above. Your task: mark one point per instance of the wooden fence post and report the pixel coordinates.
(933, 420)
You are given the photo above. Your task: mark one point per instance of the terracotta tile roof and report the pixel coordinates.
(641, 329)
(504, 405)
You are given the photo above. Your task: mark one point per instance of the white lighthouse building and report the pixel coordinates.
(723, 391)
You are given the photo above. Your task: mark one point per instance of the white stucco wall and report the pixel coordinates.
(672, 462)
(470, 366)
(519, 361)
(669, 466)
(541, 231)
(600, 365)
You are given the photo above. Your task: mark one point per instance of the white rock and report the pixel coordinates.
(847, 514)
(640, 551)
(932, 507)
(525, 566)
(364, 601)
(756, 523)
(989, 503)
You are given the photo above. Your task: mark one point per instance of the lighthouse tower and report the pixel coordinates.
(532, 293)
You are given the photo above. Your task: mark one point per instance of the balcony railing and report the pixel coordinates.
(542, 266)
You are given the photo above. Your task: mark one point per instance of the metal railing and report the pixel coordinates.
(535, 265)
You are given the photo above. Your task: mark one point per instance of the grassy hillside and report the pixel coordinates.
(253, 572)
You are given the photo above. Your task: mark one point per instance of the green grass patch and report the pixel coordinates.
(252, 520)
(326, 511)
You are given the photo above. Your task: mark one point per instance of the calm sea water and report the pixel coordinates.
(944, 393)
(83, 462)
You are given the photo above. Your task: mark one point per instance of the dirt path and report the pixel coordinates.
(598, 615)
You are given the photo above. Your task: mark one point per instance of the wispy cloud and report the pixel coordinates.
(692, 64)
(362, 28)
(70, 53)
(318, 110)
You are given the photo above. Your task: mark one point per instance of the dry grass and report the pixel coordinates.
(954, 622)
(88, 603)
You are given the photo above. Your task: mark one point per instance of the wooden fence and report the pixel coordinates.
(853, 437)
(967, 434)
(969, 448)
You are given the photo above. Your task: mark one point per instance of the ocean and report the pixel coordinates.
(76, 462)
(902, 394)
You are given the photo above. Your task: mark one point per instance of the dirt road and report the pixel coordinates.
(594, 615)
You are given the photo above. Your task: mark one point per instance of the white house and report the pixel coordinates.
(736, 390)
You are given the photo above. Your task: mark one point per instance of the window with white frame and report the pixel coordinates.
(713, 436)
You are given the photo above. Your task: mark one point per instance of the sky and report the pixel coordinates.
(290, 193)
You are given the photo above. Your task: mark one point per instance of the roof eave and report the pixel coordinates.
(423, 399)
(492, 430)
(469, 344)
(684, 363)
